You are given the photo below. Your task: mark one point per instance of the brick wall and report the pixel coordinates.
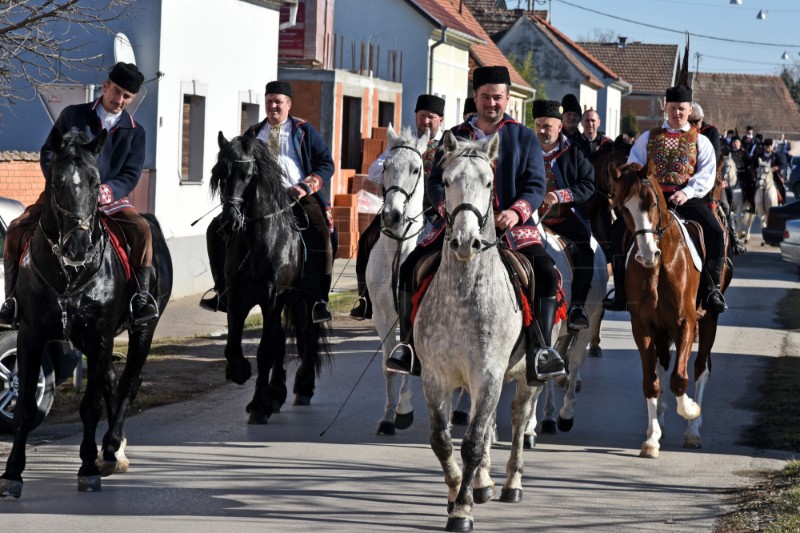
(20, 176)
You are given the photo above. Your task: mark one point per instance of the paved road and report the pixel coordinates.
(198, 467)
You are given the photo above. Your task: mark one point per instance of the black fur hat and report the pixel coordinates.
(127, 76)
(547, 108)
(570, 104)
(430, 102)
(279, 87)
(483, 75)
(679, 93)
(469, 106)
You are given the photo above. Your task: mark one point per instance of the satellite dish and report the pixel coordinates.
(123, 51)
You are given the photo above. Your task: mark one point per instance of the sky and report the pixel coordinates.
(719, 31)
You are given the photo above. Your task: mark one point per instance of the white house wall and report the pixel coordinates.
(450, 81)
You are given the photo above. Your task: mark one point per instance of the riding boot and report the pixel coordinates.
(362, 310)
(542, 361)
(737, 248)
(217, 300)
(8, 311)
(144, 307)
(403, 359)
(321, 312)
(715, 301)
(619, 301)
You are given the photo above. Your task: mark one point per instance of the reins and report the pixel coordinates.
(410, 219)
(658, 231)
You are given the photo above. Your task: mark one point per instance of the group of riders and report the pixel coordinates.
(545, 171)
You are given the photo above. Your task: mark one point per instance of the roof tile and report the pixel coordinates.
(650, 68)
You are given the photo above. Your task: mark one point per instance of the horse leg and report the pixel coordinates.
(441, 442)
(237, 368)
(29, 358)
(577, 356)
(521, 412)
(460, 416)
(398, 411)
(594, 327)
(548, 426)
(308, 348)
(529, 439)
(650, 387)
(702, 372)
(679, 381)
(269, 360)
(485, 397)
(98, 361)
(482, 485)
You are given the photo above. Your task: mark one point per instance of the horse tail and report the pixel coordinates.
(312, 339)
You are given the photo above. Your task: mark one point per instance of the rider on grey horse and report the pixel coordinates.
(428, 116)
(307, 167)
(519, 190)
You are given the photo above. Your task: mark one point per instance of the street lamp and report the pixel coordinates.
(762, 15)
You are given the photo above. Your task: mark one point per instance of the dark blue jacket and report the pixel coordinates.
(122, 158)
(519, 178)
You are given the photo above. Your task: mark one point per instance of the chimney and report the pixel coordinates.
(622, 41)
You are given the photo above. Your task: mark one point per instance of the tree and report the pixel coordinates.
(792, 80)
(38, 46)
(527, 70)
(629, 123)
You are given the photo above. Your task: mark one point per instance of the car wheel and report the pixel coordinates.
(9, 384)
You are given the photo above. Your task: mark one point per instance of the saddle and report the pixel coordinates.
(119, 243)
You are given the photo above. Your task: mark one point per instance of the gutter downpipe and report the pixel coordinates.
(441, 41)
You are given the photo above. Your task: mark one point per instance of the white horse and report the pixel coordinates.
(766, 197)
(468, 333)
(401, 223)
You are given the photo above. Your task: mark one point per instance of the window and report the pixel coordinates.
(249, 116)
(193, 131)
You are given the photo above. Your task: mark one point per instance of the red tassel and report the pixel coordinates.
(417, 298)
(561, 312)
(527, 314)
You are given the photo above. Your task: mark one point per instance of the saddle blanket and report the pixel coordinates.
(697, 261)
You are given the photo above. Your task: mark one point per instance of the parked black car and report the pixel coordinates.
(794, 176)
(776, 222)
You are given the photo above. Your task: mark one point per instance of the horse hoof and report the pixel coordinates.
(404, 420)
(106, 467)
(692, 443)
(238, 372)
(510, 495)
(649, 452)
(528, 442)
(9, 487)
(458, 524)
(548, 427)
(257, 418)
(565, 424)
(385, 429)
(276, 406)
(595, 351)
(301, 400)
(483, 495)
(89, 484)
(460, 418)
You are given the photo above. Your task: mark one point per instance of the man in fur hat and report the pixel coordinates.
(307, 167)
(571, 117)
(570, 183)
(120, 164)
(520, 187)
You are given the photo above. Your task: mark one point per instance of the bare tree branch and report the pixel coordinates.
(39, 44)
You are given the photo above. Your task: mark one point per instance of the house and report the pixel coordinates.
(649, 68)
(195, 86)
(562, 65)
(440, 44)
(735, 101)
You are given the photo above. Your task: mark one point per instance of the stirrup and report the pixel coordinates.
(206, 303)
(361, 300)
(148, 299)
(11, 301)
(321, 312)
(391, 362)
(583, 321)
(549, 355)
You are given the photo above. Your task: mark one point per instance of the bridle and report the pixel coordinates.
(482, 217)
(81, 224)
(410, 220)
(237, 202)
(658, 231)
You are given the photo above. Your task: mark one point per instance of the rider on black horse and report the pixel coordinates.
(519, 190)
(307, 167)
(120, 165)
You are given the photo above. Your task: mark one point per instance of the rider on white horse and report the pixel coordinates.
(428, 115)
(519, 189)
(570, 183)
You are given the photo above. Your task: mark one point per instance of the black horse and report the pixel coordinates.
(264, 267)
(72, 287)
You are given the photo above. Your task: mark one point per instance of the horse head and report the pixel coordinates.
(73, 187)
(248, 181)
(764, 174)
(468, 177)
(403, 182)
(643, 207)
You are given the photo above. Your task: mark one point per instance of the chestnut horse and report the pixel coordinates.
(662, 285)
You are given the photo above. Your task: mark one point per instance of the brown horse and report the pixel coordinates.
(662, 285)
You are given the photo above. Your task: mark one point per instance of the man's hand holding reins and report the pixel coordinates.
(678, 198)
(506, 219)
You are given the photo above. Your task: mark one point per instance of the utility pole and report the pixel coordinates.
(697, 57)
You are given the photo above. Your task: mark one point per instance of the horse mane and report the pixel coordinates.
(629, 184)
(405, 137)
(268, 172)
(466, 149)
(70, 147)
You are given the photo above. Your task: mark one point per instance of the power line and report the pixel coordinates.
(738, 41)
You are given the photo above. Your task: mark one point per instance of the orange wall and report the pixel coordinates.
(21, 180)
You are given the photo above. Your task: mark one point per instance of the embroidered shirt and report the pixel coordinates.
(287, 157)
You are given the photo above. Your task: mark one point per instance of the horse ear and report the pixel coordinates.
(614, 172)
(449, 141)
(221, 140)
(96, 145)
(493, 148)
(391, 135)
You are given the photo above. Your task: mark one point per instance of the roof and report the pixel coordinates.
(650, 68)
(736, 100)
(497, 22)
(485, 53)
